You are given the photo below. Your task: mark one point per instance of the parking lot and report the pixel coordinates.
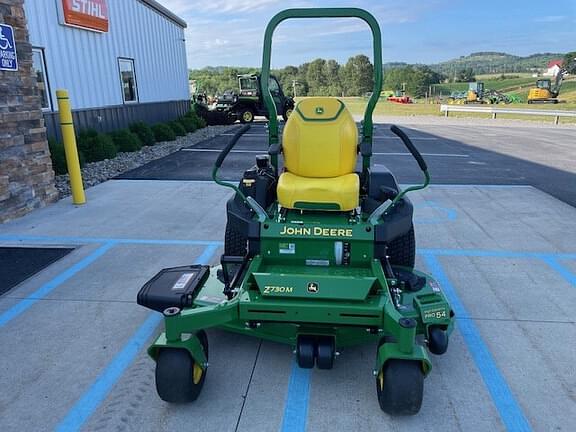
(497, 229)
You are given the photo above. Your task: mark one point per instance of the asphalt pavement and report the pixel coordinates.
(542, 157)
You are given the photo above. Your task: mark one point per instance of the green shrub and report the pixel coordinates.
(199, 122)
(177, 127)
(144, 132)
(126, 141)
(58, 156)
(96, 146)
(188, 123)
(163, 132)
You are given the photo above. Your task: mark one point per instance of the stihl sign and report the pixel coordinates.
(89, 14)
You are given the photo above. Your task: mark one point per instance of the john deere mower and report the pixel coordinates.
(318, 255)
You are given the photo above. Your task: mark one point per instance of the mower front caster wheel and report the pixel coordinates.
(305, 348)
(400, 387)
(179, 378)
(325, 352)
(437, 340)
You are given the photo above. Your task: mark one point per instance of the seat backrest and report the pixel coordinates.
(320, 139)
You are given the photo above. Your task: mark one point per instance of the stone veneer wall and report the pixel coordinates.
(26, 175)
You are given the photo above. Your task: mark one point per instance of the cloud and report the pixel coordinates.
(231, 32)
(550, 19)
(184, 7)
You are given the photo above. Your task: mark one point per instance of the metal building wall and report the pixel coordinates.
(86, 63)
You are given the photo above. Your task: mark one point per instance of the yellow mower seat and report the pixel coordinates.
(320, 143)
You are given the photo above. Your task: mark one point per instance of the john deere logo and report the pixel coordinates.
(319, 110)
(313, 287)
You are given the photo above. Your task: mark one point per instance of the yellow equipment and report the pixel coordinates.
(545, 91)
(317, 176)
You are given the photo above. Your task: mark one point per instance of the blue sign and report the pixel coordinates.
(8, 59)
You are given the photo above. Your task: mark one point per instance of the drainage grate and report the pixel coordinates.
(19, 263)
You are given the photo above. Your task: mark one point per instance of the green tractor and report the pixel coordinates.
(319, 256)
(250, 102)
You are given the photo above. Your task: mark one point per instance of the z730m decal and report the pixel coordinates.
(277, 290)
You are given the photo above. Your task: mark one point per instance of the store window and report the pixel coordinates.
(39, 67)
(128, 80)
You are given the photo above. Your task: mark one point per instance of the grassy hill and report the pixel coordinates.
(489, 62)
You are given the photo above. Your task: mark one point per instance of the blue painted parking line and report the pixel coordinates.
(507, 406)
(446, 214)
(64, 239)
(45, 289)
(484, 186)
(296, 406)
(494, 253)
(91, 400)
(560, 269)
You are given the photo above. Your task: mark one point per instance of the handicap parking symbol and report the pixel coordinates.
(8, 58)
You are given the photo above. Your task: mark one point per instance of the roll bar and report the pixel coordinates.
(368, 127)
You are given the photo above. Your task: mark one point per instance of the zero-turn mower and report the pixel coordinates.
(318, 255)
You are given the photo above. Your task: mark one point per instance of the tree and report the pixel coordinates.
(570, 62)
(395, 78)
(286, 77)
(316, 77)
(466, 75)
(414, 79)
(357, 76)
(332, 74)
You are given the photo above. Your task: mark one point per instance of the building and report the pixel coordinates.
(121, 61)
(553, 68)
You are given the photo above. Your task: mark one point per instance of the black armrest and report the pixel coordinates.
(275, 149)
(366, 149)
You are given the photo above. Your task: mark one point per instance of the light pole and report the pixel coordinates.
(294, 83)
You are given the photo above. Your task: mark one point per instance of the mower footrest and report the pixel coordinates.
(173, 287)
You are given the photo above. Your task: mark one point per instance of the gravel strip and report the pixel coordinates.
(98, 172)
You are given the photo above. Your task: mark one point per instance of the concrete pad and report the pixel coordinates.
(133, 210)
(120, 273)
(524, 312)
(496, 218)
(266, 398)
(570, 265)
(54, 352)
(75, 334)
(511, 289)
(133, 404)
(346, 395)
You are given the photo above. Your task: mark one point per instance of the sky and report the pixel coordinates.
(231, 32)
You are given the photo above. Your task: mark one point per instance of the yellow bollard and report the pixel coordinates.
(72, 161)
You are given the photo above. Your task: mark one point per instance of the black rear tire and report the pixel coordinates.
(178, 378)
(235, 242)
(402, 250)
(400, 387)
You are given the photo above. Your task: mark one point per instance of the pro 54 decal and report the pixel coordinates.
(436, 314)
